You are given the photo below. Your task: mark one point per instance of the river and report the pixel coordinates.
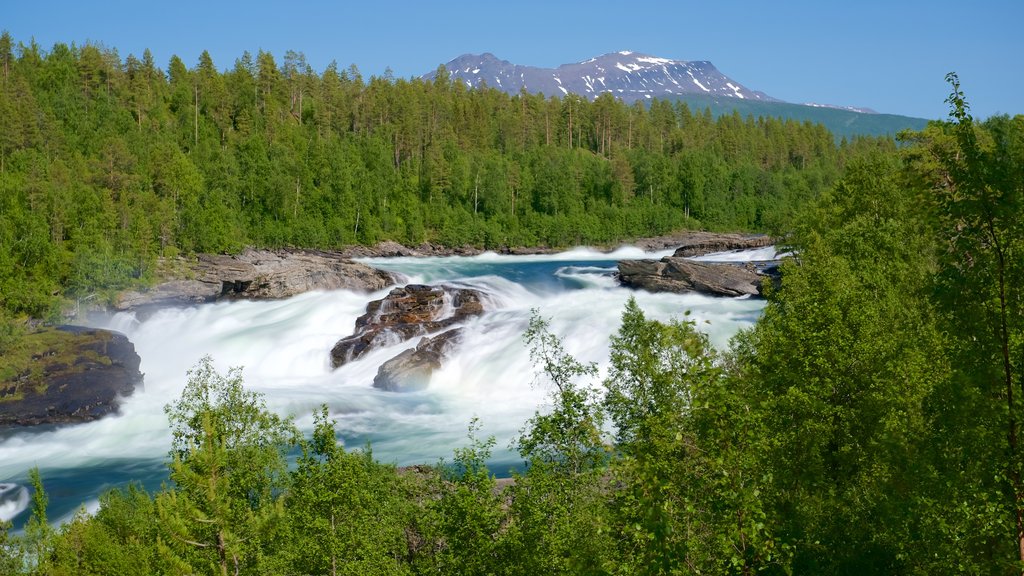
(283, 347)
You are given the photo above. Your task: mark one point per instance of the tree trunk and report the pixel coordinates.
(222, 553)
(196, 117)
(334, 558)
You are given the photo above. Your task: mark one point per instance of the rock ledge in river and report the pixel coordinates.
(407, 312)
(671, 274)
(259, 274)
(81, 376)
(410, 371)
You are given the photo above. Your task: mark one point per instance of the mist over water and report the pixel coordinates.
(283, 347)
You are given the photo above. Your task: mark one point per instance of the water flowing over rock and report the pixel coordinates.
(672, 274)
(258, 274)
(698, 243)
(407, 312)
(701, 243)
(410, 371)
(80, 378)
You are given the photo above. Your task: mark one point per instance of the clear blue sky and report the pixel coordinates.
(888, 55)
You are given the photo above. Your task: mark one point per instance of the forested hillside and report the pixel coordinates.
(108, 162)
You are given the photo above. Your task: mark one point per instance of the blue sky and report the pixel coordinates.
(887, 55)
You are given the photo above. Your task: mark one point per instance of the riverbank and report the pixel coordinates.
(697, 242)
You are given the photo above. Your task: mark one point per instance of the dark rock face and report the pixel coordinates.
(407, 312)
(671, 274)
(410, 371)
(83, 380)
(259, 274)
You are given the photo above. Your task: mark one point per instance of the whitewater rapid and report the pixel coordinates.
(283, 347)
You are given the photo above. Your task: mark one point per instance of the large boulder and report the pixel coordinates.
(701, 243)
(411, 370)
(407, 312)
(79, 374)
(258, 274)
(671, 274)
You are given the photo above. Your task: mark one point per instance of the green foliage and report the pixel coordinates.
(569, 436)
(972, 184)
(107, 163)
(841, 366)
(650, 383)
(117, 540)
(468, 515)
(346, 513)
(229, 470)
(558, 521)
(10, 554)
(689, 497)
(37, 531)
(869, 423)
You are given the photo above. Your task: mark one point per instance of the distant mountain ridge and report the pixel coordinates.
(632, 77)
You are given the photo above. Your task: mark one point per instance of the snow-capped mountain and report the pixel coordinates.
(630, 76)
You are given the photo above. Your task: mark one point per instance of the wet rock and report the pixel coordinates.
(407, 312)
(679, 275)
(259, 275)
(411, 370)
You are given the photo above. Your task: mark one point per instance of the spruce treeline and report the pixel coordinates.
(107, 163)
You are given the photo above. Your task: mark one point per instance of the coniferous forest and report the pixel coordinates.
(868, 424)
(107, 163)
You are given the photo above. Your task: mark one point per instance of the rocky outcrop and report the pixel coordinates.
(699, 243)
(258, 274)
(671, 274)
(410, 371)
(81, 375)
(407, 312)
(389, 249)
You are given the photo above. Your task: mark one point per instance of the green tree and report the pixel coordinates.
(558, 520)
(38, 533)
(468, 515)
(119, 539)
(689, 500)
(841, 369)
(229, 471)
(973, 183)
(10, 553)
(569, 436)
(346, 513)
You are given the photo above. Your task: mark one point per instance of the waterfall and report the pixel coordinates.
(284, 348)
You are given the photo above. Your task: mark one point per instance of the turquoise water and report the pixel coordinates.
(283, 347)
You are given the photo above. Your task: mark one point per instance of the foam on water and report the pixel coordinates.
(756, 255)
(13, 500)
(284, 348)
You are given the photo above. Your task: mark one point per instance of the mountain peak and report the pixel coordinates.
(628, 75)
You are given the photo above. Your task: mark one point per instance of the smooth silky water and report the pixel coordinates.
(283, 347)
